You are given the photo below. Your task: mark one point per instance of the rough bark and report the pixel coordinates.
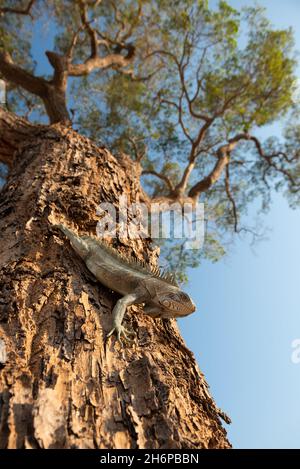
(63, 385)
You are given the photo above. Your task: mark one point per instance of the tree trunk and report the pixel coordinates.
(62, 384)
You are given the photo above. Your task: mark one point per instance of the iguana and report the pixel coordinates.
(136, 282)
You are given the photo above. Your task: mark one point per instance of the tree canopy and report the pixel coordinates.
(184, 88)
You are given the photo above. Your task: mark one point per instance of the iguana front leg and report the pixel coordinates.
(119, 312)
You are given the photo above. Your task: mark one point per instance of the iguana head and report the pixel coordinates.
(170, 304)
(176, 304)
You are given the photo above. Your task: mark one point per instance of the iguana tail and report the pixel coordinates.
(77, 243)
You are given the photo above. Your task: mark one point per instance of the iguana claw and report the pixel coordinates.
(121, 332)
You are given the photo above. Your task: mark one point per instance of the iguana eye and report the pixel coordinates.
(166, 303)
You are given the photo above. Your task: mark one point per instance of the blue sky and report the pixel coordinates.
(249, 314)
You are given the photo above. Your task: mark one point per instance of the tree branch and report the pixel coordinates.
(20, 77)
(60, 66)
(115, 59)
(181, 187)
(163, 177)
(231, 198)
(18, 11)
(269, 159)
(52, 93)
(138, 154)
(223, 155)
(181, 68)
(86, 24)
(111, 60)
(133, 24)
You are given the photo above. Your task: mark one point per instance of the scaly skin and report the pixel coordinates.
(135, 283)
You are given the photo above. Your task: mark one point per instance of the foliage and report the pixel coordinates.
(196, 67)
